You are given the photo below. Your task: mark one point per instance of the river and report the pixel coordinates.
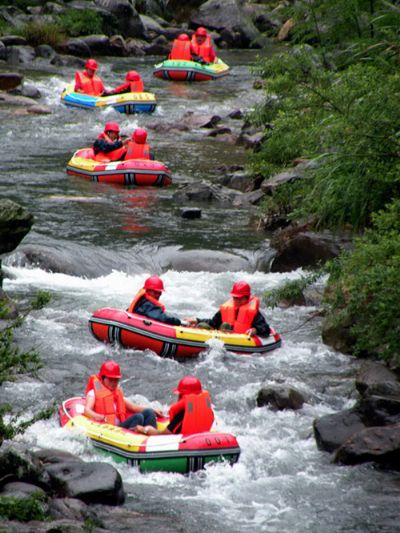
(109, 239)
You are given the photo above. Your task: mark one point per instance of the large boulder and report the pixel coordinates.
(10, 80)
(204, 192)
(89, 482)
(128, 21)
(378, 444)
(15, 223)
(297, 247)
(203, 261)
(280, 397)
(331, 431)
(228, 18)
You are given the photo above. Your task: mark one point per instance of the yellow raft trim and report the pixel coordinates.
(110, 434)
(203, 335)
(113, 99)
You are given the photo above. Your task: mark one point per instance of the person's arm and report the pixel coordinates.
(213, 322)
(150, 310)
(259, 326)
(124, 88)
(151, 155)
(78, 86)
(89, 409)
(101, 145)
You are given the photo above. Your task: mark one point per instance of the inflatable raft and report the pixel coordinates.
(168, 453)
(183, 70)
(124, 103)
(136, 331)
(130, 172)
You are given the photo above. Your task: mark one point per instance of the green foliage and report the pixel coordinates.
(37, 33)
(13, 361)
(293, 290)
(347, 120)
(366, 287)
(41, 299)
(80, 22)
(25, 509)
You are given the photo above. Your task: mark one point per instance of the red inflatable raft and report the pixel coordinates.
(169, 453)
(130, 172)
(136, 331)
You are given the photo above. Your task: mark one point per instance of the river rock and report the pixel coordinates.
(152, 28)
(118, 46)
(228, 18)
(236, 114)
(21, 490)
(222, 130)
(30, 91)
(160, 46)
(204, 192)
(248, 198)
(72, 509)
(280, 397)
(45, 50)
(91, 482)
(190, 212)
(331, 431)
(203, 260)
(239, 180)
(378, 444)
(191, 120)
(39, 110)
(18, 464)
(15, 223)
(298, 247)
(10, 80)
(75, 47)
(98, 44)
(337, 334)
(20, 54)
(127, 19)
(375, 378)
(251, 141)
(270, 185)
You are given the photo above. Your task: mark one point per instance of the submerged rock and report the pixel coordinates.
(15, 223)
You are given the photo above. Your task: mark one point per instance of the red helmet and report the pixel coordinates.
(140, 137)
(154, 283)
(110, 369)
(183, 37)
(240, 288)
(201, 31)
(112, 126)
(92, 64)
(132, 75)
(188, 385)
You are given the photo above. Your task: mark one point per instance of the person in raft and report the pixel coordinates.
(239, 314)
(133, 84)
(137, 148)
(192, 413)
(109, 146)
(88, 82)
(105, 401)
(146, 302)
(182, 49)
(201, 46)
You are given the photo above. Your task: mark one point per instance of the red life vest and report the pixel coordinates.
(204, 50)
(92, 86)
(137, 151)
(241, 318)
(198, 417)
(139, 295)
(181, 50)
(136, 86)
(107, 402)
(115, 155)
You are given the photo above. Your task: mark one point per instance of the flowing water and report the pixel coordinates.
(109, 239)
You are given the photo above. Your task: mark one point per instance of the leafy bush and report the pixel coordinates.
(80, 22)
(37, 33)
(24, 510)
(366, 287)
(349, 120)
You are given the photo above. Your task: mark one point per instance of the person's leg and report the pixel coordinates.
(150, 418)
(134, 420)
